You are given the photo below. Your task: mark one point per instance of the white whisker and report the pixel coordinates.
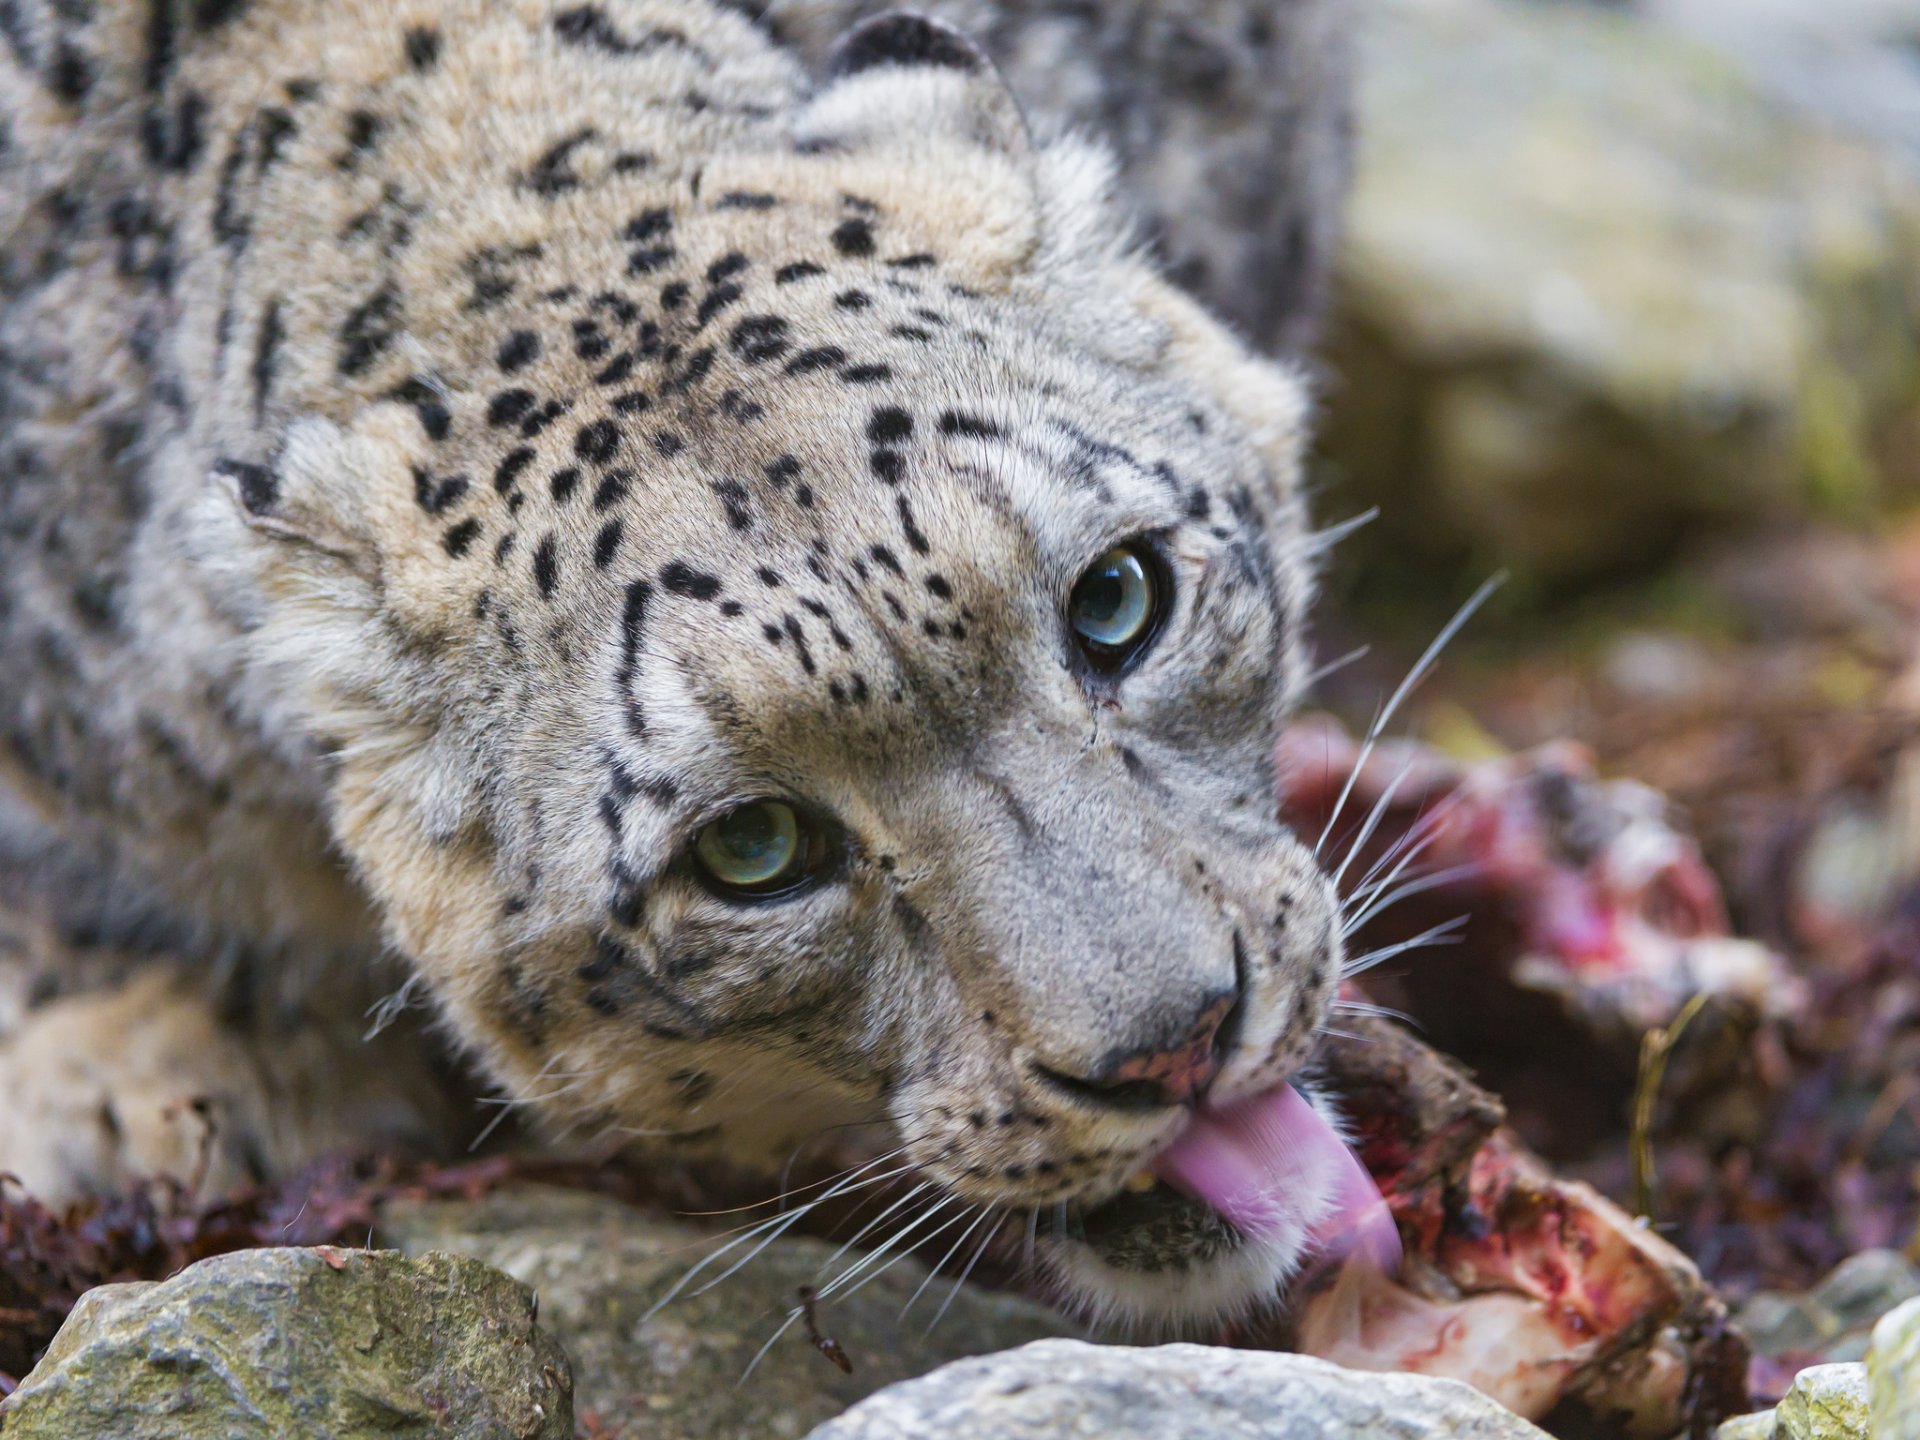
(1445, 934)
(1374, 816)
(1405, 688)
(1433, 880)
(1318, 542)
(783, 1221)
(1334, 667)
(954, 1289)
(761, 1354)
(934, 1273)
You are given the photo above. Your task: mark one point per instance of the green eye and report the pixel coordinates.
(1114, 605)
(755, 849)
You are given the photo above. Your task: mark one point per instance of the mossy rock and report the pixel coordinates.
(322, 1344)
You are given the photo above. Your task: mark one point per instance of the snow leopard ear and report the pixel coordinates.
(905, 81)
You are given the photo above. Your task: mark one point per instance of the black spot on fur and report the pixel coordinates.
(820, 357)
(919, 260)
(726, 267)
(612, 489)
(866, 374)
(693, 372)
(508, 406)
(781, 469)
(423, 47)
(266, 352)
(510, 467)
(853, 300)
(368, 329)
(888, 466)
(563, 483)
(853, 237)
(552, 174)
(937, 585)
(71, 74)
(435, 418)
(597, 441)
(798, 270)
(605, 544)
(276, 128)
(632, 403)
(363, 129)
(760, 338)
(461, 537)
(520, 348)
(746, 200)
(682, 579)
(589, 26)
(633, 617)
(436, 496)
(616, 372)
(733, 497)
(959, 422)
(889, 425)
(647, 225)
(650, 259)
(546, 567)
(900, 39)
(714, 301)
(259, 486)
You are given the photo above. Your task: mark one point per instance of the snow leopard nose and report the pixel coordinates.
(1157, 1076)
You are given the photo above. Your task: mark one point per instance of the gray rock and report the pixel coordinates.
(1067, 1390)
(1893, 1369)
(1779, 1323)
(1603, 289)
(1866, 1286)
(322, 1344)
(1826, 1402)
(1758, 1426)
(600, 1266)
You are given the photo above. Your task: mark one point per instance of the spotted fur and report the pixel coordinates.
(484, 442)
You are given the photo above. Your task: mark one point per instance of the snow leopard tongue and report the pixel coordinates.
(1266, 1162)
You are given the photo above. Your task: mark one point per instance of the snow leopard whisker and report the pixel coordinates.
(876, 1257)
(933, 1273)
(873, 1224)
(954, 1289)
(1419, 885)
(1334, 667)
(1446, 933)
(1319, 542)
(1372, 823)
(778, 1224)
(773, 1230)
(1414, 676)
(1420, 836)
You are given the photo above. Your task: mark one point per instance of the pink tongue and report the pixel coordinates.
(1268, 1161)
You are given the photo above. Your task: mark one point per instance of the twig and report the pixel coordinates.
(1656, 1046)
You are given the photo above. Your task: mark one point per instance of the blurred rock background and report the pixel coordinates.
(1628, 306)
(1622, 277)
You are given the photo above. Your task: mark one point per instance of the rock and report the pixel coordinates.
(324, 1344)
(1866, 1286)
(1778, 1323)
(600, 1266)
(1748, 1427)
(1067, 1390)
(1827, 1402)
(1894, 1370)
(1604, 289)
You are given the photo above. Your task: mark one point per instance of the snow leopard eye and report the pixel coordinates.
(1117, 605)
(759, 849)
